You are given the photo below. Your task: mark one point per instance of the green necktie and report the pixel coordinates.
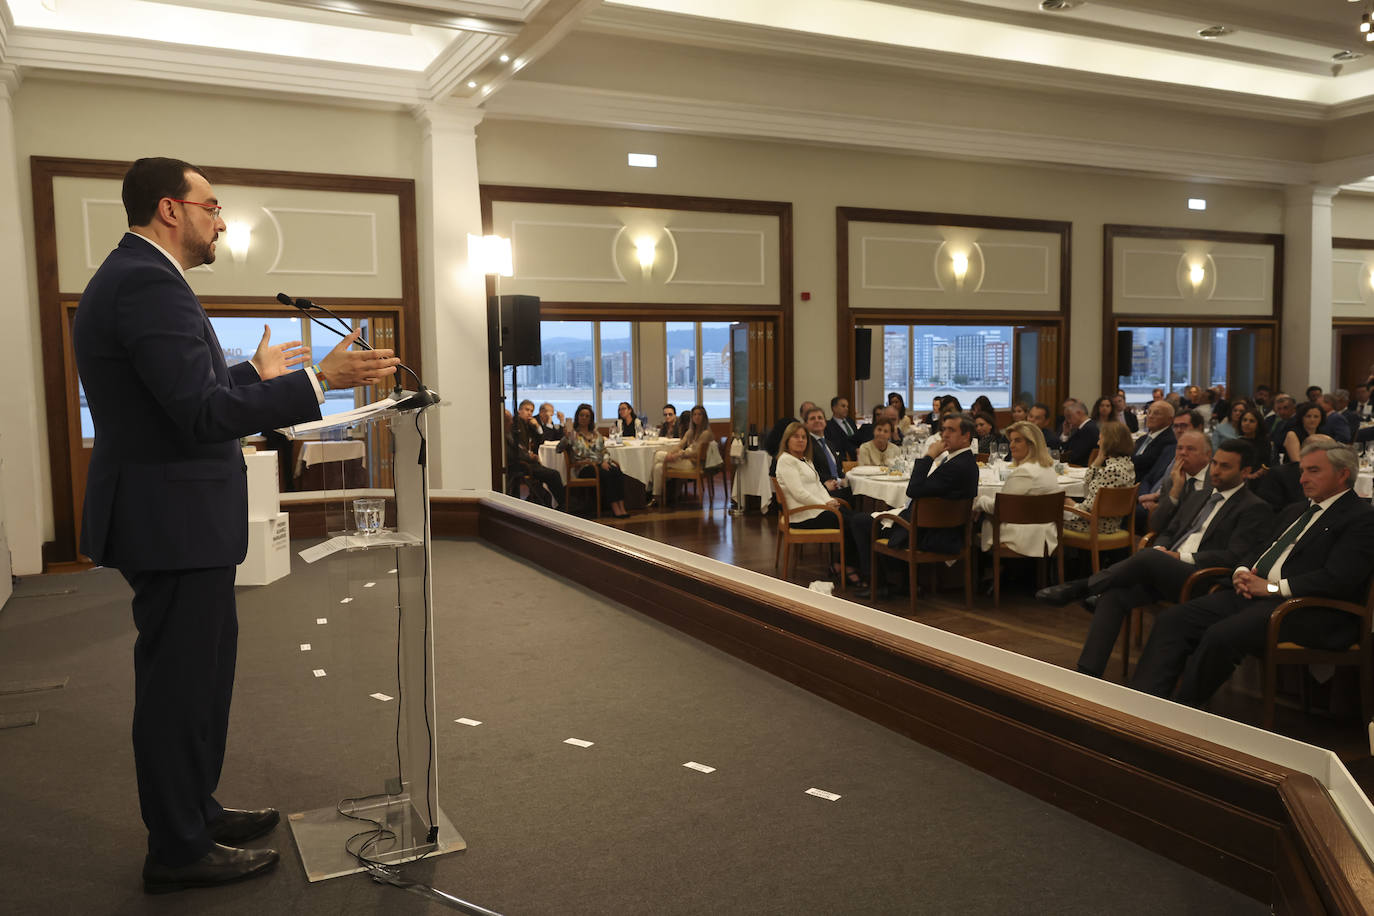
(1271, 556)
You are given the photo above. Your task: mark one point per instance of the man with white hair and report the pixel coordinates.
(1082, 438)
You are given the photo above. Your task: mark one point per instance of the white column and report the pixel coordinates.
(1306, 329)
(23, 447)
(453, 310)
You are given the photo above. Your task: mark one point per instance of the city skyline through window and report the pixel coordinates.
(926, 361)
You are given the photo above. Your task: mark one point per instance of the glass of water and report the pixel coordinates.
(369, 514)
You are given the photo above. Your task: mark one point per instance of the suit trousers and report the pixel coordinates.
(1206, 638)
(1142, 578)
(184, 660)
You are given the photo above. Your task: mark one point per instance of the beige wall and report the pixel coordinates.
(1352, 216)
(818, 179)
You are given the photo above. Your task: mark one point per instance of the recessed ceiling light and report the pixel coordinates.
(1197, 203)
(1346, 55)
(1059, 6)
(1215, 31)
(505, 58)
(472, 84)
(643, 160)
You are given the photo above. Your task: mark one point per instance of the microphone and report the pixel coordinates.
(424, 397)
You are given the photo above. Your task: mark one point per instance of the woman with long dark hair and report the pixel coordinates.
(1310, 416)
(587, 445)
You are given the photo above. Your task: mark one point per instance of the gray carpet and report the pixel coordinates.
(620, 827)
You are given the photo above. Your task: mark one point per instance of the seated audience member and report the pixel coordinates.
(584, 443)
(879, 450)
(1192, 458)
(1191, 398)
(1284, 415)
(895, 400)
(1083, 436)
(1335, 425)
(947, 471)
(522, 447)
(865, 433)
(680, 457)
(1032, 473)
(1309, 419)
(827, 463)
(840, 430)
(1229, 427)
(1020, 411)
(1156, 477)
(949, 404)
(800, 486)
(1252, 428)
(627, 423)
(668, 428)
(1361, 408)
(1264, 400)
(1062, 421)
(1321, 547)
(773, 441)
(550, 422)
(932, 419)
(985, 431)
(1124, 412)
(983, 404)
(1216, 525)
(1104, 411)
(1040, 416)
(1314, 393)
(1156, 446)
(1157, 394)
(1111, 468)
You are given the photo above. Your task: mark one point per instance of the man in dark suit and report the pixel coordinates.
(1039, 414)
(840, 432)
(826, 462)
(1361, 409)
(773, 441)
(1214, 525)
(949, 470)
(1158, 441)
(1082, 438)
(1322, 547)
(167, 504)
(1335, 424)
(522, 450)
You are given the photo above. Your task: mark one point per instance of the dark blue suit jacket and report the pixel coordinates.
(167, 487)
(956, 479)
(1080, 444)
(1161, 448)
(1334, 557)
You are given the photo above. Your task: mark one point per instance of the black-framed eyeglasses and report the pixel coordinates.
(214, 209)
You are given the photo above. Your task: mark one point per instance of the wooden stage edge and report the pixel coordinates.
(1270, 832)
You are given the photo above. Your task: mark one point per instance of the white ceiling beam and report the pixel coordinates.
(607, 108)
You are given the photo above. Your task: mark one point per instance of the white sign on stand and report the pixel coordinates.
(269, 528)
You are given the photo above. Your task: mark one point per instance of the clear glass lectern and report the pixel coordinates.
(379, 592)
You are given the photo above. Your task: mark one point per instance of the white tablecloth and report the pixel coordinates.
(892, 490)
(1364, 484)
(751, 479)
(635, 457)
(313, 453)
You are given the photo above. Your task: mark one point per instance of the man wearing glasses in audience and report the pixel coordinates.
(167, 504)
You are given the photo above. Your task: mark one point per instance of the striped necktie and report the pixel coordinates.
(1289, 538)
(1201, 516)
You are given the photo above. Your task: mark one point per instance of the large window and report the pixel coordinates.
(698, 366)
(925, 361)
(1174, 358)
(566, 375)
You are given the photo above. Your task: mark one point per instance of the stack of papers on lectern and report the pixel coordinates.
(339, 420)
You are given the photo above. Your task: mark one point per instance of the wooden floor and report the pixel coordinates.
(1022, 624)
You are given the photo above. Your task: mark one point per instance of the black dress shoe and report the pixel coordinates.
(237, 826)
(1060, 595)
(221, 865)
(1090, 604)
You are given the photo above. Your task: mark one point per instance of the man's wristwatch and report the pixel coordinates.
(1272, 588)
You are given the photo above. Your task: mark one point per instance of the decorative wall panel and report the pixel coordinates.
(1352, 295)
(1176, 276)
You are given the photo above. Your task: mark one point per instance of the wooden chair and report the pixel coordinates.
(928, 513)
(574, 482)
(1111, 502)
(698, 474)
(1193, 586)
(1289, 653)
(1092, 456)
(789, 538)
(847, 466)
(1025, 509)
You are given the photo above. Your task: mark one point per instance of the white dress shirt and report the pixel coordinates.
(1189, 547)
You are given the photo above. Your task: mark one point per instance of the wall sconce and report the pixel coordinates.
(958, 263)
(238, 237)
(490, 254)
(1196, 274)
(1371, 279)
(645, 249)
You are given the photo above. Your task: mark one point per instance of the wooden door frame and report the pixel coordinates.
(847, 318)
(44, 170)
(779, 312)
(1111, 321)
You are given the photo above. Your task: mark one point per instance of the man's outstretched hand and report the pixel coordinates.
(345, 368)
(273, 361)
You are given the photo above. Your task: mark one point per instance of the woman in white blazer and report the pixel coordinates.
(1032, 473)
(801, 486)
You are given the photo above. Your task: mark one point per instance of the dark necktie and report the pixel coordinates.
(1144, 444)
(1288, 539)
(1201, 516)
(829, 458)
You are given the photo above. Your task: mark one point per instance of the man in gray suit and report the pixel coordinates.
(1212, 525)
